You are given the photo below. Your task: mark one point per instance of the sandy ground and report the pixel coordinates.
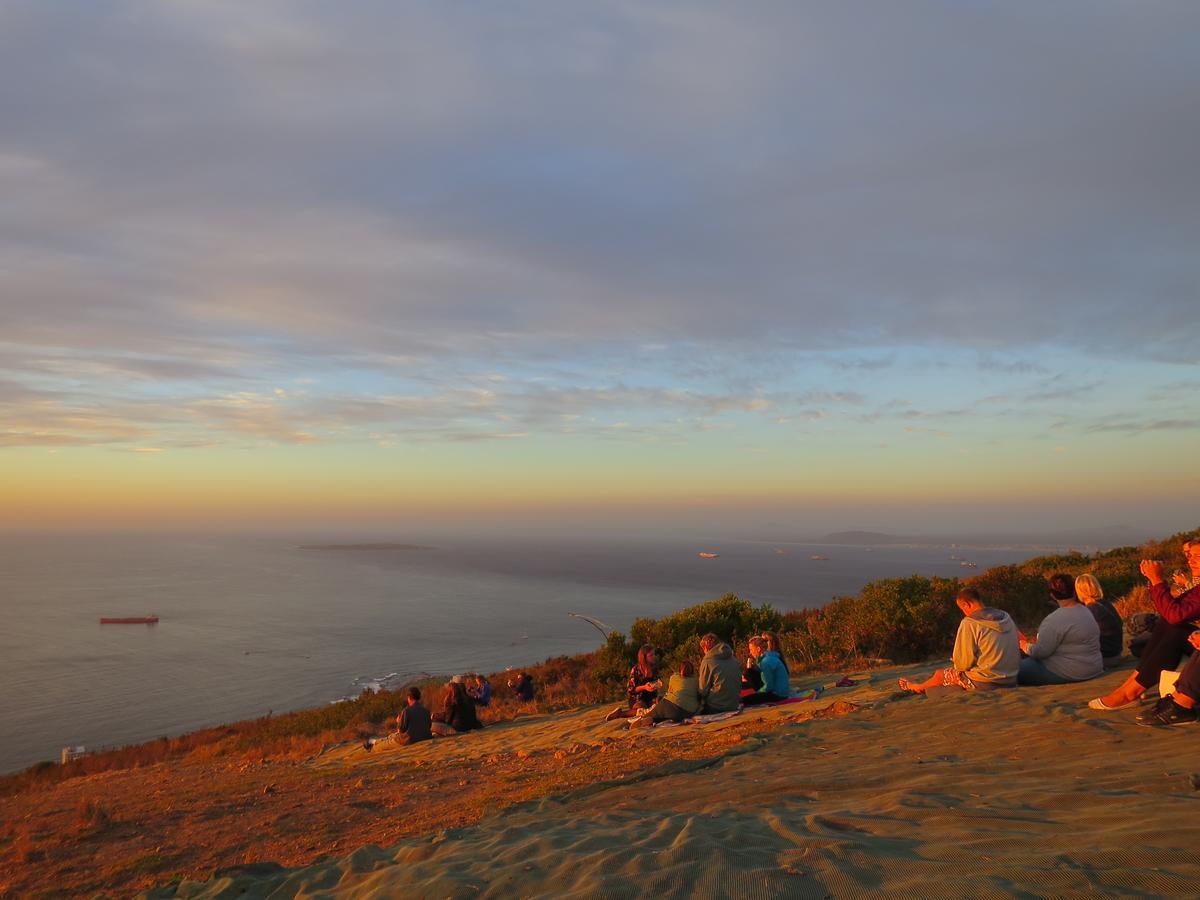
(1015, 793)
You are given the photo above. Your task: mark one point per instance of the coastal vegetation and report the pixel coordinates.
(898, 620)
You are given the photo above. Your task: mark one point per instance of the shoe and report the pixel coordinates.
(1167, 713)
(1099, 703)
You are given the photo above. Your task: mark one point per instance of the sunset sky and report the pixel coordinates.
(796, 266)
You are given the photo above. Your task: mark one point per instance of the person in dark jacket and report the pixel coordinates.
(642, 687)
(1177, 619)
(1112, 629)
(458, 711)
(522, 686)
(412, 725)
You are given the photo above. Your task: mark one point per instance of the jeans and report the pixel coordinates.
(1033, 672)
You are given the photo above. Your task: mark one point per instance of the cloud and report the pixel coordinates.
(622, 213)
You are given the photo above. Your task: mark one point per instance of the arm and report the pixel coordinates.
(963, 658)
(1048, 639)
(705, 680)
(1175, 610)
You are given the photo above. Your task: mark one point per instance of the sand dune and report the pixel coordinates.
(1023, 792)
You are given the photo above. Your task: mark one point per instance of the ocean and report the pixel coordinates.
(251, 625)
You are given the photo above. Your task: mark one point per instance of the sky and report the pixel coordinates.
(789, 267)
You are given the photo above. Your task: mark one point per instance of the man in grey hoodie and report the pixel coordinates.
(986, 652)
(720, 677)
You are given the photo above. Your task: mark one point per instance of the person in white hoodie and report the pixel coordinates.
(986, 655)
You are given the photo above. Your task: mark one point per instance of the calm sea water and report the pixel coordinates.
(251, 625)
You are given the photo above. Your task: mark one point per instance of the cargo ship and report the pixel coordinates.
(129, 620)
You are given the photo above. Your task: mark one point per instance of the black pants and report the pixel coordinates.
(1189, 678)
(761, 697)
(1163, 651)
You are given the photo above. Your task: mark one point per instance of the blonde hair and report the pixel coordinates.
(1088, 589)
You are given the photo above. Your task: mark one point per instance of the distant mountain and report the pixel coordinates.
(1103, 537)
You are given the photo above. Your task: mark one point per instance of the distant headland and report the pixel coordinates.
(365, 547)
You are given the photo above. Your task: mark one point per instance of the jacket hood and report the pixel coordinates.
(993, 619)
(719, 651)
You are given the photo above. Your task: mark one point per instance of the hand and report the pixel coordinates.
(1181, 579)
(1194, 639)
(1153, 570)
(1024, 642)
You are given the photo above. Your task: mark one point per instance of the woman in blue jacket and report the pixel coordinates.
(774, 674)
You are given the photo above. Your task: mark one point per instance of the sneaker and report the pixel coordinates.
(1167, 712)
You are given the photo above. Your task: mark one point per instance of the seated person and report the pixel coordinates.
(775, 684)
(1179, 708)
(1112, 629)
(458, 711)
(681, 702)
(522, 687)
(1067, 648)
(752, 680)
(412, 725)
(1177, 619)
(776, 645)
(985, 650)
(481, 691)
(641, 689)
(720, 677)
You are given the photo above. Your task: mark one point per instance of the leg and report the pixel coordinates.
(1163, 651)
(1187, 689)
(937, 679)
(1033, 672)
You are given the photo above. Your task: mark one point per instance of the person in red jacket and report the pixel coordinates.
(1177, 619)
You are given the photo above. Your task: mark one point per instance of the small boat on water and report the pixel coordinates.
(818, 556)
(129, 620)
(704, 555)
(969, 565)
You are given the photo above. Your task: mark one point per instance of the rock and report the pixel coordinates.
(522, 754)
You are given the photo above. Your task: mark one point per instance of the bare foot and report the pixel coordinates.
(906, 685)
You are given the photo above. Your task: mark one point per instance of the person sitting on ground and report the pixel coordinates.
(481, 691)
(985, 650)
(458, 711)
(412, 725)
(775, 645)
(641, 690)
(1067, 648)
(522, 687)
(1179, 707)
(775, 675)
(720, 677)
(1177, 619)
(682, 700)
(752, 680)
(1112, 629)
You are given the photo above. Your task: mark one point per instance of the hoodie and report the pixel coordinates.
(986, 647)
(720, 680)
(775, 674)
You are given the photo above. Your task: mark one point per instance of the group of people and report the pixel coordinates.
(459, 712)
(721, 684)
(1076, 642)
(1079, 640)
